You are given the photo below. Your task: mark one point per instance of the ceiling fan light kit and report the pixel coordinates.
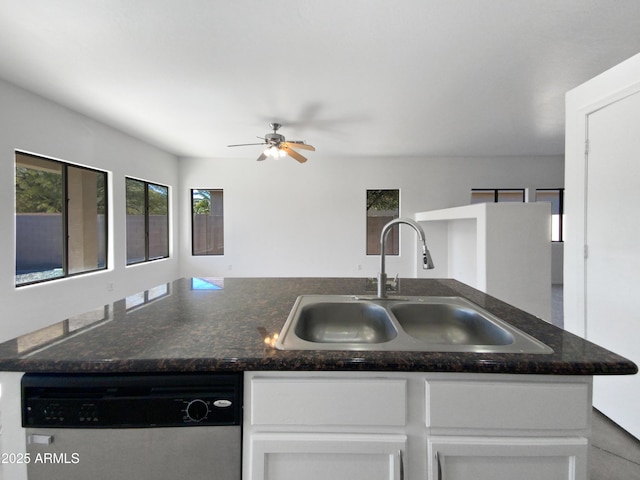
(274, 152)
(278, 146)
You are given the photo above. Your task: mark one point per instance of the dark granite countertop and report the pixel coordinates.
(180, 327)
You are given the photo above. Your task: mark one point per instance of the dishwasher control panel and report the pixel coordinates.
(130, 401)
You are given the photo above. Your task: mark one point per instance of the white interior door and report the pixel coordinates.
(613, 245)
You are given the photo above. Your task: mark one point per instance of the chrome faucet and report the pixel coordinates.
(427, 262)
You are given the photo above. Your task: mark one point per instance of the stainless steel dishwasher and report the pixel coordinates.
(144, 427)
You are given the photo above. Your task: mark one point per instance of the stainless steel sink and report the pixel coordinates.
(347, 322)
(447, 323)
(438, 324)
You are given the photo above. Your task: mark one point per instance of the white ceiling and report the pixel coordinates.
(353, 77)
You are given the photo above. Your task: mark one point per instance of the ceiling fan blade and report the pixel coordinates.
(302, 145)
(245, 144)
(293, 154)
(261, 157)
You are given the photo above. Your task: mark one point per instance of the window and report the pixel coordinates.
(556, 197)
(382, 207)
(147, 221)
(61, 219)
(491, 195)
(207, 222)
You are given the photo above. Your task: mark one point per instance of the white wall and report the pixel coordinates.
(33, 124)
(282, 218)
(503, 249)
(287, 219)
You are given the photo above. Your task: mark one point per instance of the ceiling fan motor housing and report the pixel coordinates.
(274, 138)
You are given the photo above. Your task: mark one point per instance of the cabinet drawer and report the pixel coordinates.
(507, 405)
(325, 401)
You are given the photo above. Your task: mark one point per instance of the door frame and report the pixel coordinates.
(610, 87)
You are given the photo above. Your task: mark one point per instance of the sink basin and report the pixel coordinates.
(351, 322)
(444, 323)
(438, 324)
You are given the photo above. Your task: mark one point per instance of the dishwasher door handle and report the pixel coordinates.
(39, 439)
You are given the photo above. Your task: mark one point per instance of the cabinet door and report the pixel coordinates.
(292, 456)
(486, 458)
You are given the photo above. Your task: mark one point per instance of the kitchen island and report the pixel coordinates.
(199, 324)
(362, 414)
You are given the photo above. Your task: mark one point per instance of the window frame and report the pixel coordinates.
(193, 222)
(64, 166)
(146, 258)
(560, 211)
(496, 194)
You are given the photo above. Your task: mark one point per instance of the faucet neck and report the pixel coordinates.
(382, 276)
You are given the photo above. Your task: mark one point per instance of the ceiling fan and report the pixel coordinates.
(278, 146)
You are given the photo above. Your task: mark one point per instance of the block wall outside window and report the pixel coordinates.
(207, 222)
(61, 219)
(382, 207)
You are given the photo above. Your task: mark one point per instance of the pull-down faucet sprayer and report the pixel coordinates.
(427, 262)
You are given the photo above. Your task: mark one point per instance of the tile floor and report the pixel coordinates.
(613, 454)
(557, 306)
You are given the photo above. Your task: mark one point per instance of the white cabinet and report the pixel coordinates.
(304, 400)
(435, 426)
(506, 458)
(322, 456)
(513, 406)
(507, 429)
(324, 427)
